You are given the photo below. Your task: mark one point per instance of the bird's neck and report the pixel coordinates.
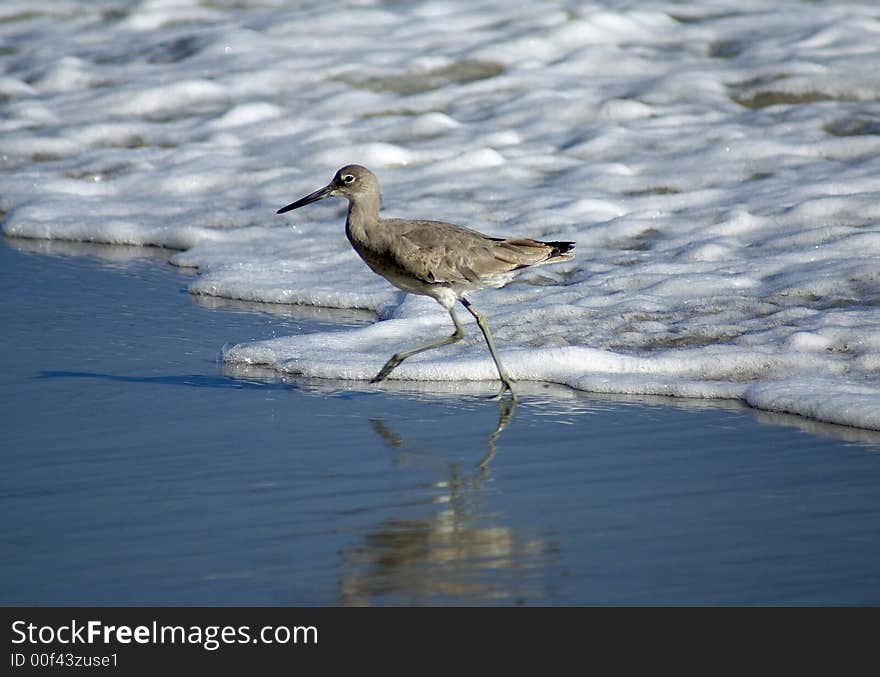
(363, 213)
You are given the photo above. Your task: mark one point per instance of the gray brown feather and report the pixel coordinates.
(438, 252)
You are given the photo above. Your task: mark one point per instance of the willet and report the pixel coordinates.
(432, 258)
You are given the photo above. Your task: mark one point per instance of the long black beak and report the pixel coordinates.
(308, 199)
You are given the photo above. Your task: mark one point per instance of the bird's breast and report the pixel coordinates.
(382, 262)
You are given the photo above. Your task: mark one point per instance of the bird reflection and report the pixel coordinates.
(459, 554)
(505, 415)
(506, 409)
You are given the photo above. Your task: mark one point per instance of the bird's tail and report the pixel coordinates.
(522, 252)
(560, 252)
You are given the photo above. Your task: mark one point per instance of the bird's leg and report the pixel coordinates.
(506, 381)
(397, 358)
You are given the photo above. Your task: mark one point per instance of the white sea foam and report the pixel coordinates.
(716, 162)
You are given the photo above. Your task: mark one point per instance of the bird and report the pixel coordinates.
(431, 258)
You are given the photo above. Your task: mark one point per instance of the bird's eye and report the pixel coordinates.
(348, 178)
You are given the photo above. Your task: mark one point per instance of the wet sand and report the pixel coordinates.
(138, 470)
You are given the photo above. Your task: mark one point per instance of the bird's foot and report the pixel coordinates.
(390, 366)
(506, 386)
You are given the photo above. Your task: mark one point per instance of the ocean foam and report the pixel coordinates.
(716, 162)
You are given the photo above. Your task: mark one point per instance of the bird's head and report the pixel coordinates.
(351, 181)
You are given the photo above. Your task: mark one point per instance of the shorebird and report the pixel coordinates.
(431, 258)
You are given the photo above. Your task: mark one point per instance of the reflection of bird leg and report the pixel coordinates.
(391, 438)
(506, 407)
(505, 415)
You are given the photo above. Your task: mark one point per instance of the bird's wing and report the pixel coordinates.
(442, 252)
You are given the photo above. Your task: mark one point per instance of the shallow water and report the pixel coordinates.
(140, 470)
